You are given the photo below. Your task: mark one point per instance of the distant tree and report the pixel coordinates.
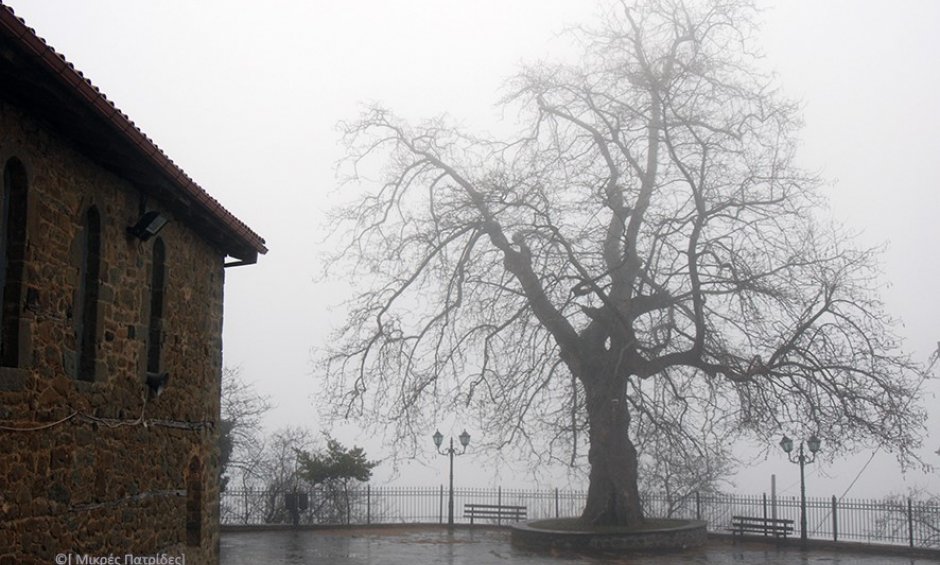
(332, 470)
(675, 472)
(645, 255)
(242, 411)
(266, 475)
(276, 474)
(923, 515)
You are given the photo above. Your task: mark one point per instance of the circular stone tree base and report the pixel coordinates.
(569, 534)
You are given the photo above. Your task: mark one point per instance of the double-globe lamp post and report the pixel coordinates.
(450, 451)
(813, 444)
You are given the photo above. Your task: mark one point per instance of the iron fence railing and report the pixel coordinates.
(890, 521)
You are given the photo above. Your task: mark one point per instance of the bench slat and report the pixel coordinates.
(752, 524)
(493, 511)
(493, 506)
(762, 520)
(762, 529)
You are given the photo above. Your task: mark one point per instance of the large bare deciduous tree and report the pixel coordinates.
(643, 258)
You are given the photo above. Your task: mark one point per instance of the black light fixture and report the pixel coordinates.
(148, 225)
(438, 438)
(156, 382)
(813, 443)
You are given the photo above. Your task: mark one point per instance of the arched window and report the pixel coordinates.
(194, 501)
(91, 282)
(155, 333)
(12, 259)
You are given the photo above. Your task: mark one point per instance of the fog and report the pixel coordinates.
(245, 97)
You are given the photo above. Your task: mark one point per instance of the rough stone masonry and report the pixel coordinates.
(94, 464)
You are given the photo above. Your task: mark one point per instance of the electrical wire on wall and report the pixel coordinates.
(79, 417)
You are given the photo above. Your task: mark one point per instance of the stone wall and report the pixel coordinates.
(99, 466)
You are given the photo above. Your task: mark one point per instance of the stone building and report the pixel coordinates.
(110, 343)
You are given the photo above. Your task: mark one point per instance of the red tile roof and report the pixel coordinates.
(57, 66)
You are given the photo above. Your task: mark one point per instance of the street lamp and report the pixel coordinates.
(813, 444)
(450, 451)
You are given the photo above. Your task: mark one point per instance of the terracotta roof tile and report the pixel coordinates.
(82, 86)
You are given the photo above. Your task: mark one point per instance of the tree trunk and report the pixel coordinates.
(613, 495)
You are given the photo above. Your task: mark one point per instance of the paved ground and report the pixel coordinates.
(419, 546)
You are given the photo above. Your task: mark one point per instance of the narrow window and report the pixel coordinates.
(194, 503)
(155, 333)
(91, 267)
(12, 259)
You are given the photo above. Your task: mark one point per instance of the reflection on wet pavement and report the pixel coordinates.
(417, 546)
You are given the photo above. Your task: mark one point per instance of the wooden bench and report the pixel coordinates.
(496, 512)
(777, 527)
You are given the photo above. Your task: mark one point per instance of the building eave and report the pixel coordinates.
(35, 76)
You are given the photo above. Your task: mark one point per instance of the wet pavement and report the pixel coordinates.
(423, 545)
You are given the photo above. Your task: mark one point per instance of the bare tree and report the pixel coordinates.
(242, 410)
(277, 472)
(675, 470)
(266, 474)
(644, 255)
(916, 513)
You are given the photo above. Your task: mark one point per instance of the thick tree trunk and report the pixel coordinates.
(613, 495)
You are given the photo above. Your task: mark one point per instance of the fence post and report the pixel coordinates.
(556, 502)
(440, 509)
(698, 506)
(368, 504)
(835, 520)
(773, 496)
(499, 502)
(910, 522)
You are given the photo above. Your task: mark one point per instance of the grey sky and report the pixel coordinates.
(244, 96)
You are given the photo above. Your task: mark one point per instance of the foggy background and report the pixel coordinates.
(245, 97)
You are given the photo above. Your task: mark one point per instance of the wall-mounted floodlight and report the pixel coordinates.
(148, 225)
(156, 382)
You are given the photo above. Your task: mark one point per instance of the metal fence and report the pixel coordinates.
(891, 521)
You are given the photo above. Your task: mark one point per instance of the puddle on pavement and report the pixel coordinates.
(419, 546)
